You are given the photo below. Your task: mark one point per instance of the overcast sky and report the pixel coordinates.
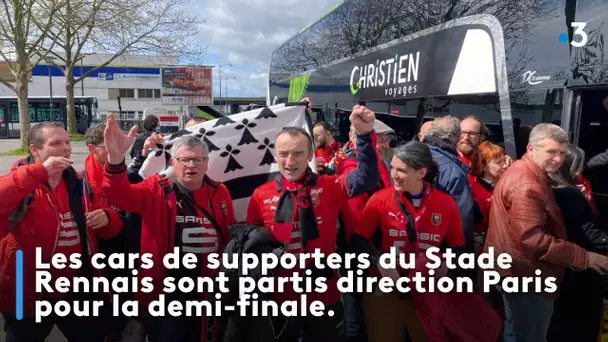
(244, 33)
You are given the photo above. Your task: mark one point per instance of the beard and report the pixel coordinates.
(322, 144)
(465, 148)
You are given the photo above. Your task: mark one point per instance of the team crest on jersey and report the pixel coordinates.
(223, 207)
(436, 219)
(315, 199)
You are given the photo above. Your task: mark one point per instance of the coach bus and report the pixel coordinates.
(512, 63)
(40, 111)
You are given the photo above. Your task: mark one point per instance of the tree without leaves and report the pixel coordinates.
(117, 28)
(24, 27)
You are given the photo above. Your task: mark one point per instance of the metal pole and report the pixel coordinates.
(82, 81)
(220, 72)
(48, 64)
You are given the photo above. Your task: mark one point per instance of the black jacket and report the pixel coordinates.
(138, 144)
(247, 239)
(576, 315)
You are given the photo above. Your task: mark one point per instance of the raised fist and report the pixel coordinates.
(362, 119)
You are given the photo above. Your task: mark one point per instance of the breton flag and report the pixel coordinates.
(241, 149)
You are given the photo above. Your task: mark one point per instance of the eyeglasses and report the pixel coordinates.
(196, 160)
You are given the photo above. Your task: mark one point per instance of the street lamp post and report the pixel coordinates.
(49, 61)
(226, 85)
(220, 74)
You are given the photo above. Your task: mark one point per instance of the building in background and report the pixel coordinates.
(136, 79)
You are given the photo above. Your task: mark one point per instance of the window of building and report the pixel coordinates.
(126, 93)
(148, 93)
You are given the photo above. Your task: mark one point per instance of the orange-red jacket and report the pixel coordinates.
(39, 228)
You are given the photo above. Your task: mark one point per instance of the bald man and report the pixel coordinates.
(424, 130)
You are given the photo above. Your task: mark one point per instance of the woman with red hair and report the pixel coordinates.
(488, 163)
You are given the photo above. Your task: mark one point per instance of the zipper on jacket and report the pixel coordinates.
(58, 224)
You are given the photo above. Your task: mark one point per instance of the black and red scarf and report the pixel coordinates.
(295, 202)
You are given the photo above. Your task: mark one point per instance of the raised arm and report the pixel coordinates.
(119, 192)
(18, 183)
(365, 176)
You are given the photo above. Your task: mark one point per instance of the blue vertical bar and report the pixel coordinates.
(19, 285)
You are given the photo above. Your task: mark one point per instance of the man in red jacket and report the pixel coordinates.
(60, 215)
(301, 210)
(192, 214)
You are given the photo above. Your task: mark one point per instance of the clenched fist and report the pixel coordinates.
(362, 119)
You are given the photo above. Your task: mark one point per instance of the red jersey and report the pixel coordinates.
(482, 195)
(328, 152)
(68, 240)
(437, 220)
(467, 161)
(329, 200)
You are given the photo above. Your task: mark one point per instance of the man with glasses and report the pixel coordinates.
(192, 213)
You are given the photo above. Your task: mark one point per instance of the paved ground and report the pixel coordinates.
(79, 153)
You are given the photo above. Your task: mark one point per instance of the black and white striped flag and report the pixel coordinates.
(241, 149)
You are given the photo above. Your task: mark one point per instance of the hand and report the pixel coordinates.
(389, 273)
(55, 165)
(309, 106)
(362, 119)
(597, 262)
(97, 219)
(117, 143)
(582, 188)
(151, 142)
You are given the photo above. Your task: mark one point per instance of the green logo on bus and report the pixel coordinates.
(396, 76)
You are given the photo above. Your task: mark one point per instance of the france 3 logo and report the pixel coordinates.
(579, 36)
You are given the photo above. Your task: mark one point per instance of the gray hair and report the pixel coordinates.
(446, 128)
(572, 167)
(417, 155)
(189, 141)
(547, 131)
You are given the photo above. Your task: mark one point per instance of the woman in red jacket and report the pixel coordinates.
(488, 163)
(435, 218)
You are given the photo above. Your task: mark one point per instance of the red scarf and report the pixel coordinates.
(93, 172)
